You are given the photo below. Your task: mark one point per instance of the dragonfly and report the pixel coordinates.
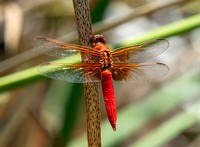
(100, 64)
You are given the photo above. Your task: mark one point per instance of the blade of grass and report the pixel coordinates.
(71, 113)
(169, 130)
(19, 79)
(61, 102)
(168, 30)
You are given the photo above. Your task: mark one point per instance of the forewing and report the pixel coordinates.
(59, 49)
(75, 73)
(138, 72)
(141, 52)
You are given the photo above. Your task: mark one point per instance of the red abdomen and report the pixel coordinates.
(109, 98)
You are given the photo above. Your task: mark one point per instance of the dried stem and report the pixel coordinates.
(91, 90)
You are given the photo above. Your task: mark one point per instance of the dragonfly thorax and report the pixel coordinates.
(106, 61)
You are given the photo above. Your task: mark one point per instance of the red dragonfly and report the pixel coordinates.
(125, 64)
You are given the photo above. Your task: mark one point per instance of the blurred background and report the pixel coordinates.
(39, 112)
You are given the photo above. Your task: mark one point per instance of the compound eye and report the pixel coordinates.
(97, 38)
(102, 39)
(93, 41)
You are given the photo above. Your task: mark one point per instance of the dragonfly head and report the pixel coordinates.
(97, 38)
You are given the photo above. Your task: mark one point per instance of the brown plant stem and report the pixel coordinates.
(91, 90)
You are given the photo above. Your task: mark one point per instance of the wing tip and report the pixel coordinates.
(35, 42)
(167, 69)
(165, 40)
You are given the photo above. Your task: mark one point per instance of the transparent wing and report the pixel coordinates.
(75, 73)
(141, 52)
(61, 50)
(138, 73)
